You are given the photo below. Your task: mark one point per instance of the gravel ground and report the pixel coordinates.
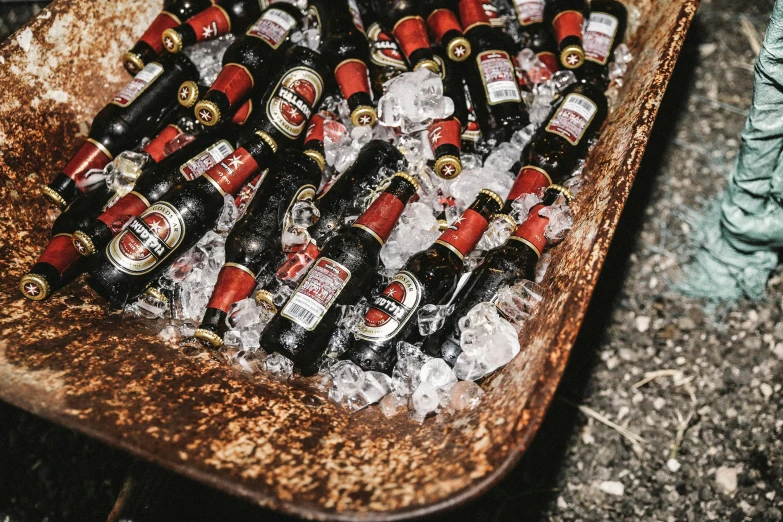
(692, 393)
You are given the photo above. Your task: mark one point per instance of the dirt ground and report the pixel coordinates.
(694, 390)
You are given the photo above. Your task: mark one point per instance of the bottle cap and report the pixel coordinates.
(363, 115)
(459, 49)
(209, 336)
(410, 179)
(53, 196)
(266, 300)
(448, 167)
(572, 57)
(187, 95)
(564, 191)
(269, 140)
(34, 287)
(156, 294)
(432, 65)
(207, 113)
(133, 62)
(492, 195)
(83, 243)
(317, 157)
(172, 41)
(507, 218)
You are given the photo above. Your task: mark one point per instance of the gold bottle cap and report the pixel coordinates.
(317, 157)
(156, 294)
(432, 65)
(492, 195)
(567, 194)
(34, 287)
(458, 49)
(448, 167)
(266, 300)
(410, 179)
(507, 218)
(132, 62)
(209, 336)
(572, 57)
(442, 225)
(53, 196)
(207, 113)
(364, 115)
(187, 95)
(83, 243)
(269, 140)
(171, 40)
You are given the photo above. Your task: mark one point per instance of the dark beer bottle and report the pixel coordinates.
(386, 60)
(149, 46)
(536, 35)
(566, 18)
(471, 134)
(491, 77)
(135, 112)
(552, 154)
(445, 135)
(226, 16)
(403, 20)
(60, 263)
(340, 276)
(427, 278)
(347, 52)
(445, 29)
(505, 265)
(604, 32)
(295, 177)
(250, 62)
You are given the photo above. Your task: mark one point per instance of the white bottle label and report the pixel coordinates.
(598, 38)
(316, 293)
(572, 118)
(138, 84)
(499, 78)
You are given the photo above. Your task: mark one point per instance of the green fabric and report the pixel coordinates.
(736, 258)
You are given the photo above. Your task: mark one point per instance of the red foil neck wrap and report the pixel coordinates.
(129, 206)
(231, 173)
(60, 253)
(155, 147)
(315, 129)
(529, 181)
(243, 113)
(440, 22)
(471, 13)
(298, 263)
(210, 23)
(91, 155)
(531, 232)
(152, 36)
(380, 218)
(568, 23)
(235, 81)
(352, 77)
(234, 283)
(445, 132)
(462, 235)
(411, 33)
(550, 60)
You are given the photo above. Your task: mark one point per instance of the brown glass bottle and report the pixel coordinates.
(226, 16)
(445, 135)
(566, 17)
(340, 276)
(604, 32)
(428, 277)
(403, 19)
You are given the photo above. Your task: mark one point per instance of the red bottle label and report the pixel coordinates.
(243, 113)
(230, 174)
(411, 33)
(248, 192)
(568, 23)
(550, 60)
(234, 283)
(151, 36)
(529, 11)
(441, 21)
(290, 108)
(315, 129)
(352, 77)
(143, 79)
(298, 263)
(210, 23)
(380, 218)
(384, 50)
(129, 206)
(445, 132)
(471, 13)
(573, 117)
(155, 147)
(498, 77)
(60, 253)
(273, 27)
(391, 309)
(235, 81)
(531, 232)
(492, 13)
(599, 37)
(529, 181)
(91, 155)
(316, 294)
(462, 235)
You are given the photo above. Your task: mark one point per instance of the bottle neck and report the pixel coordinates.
(462, 235)
(379, 219)
(232, 172)
(531, 232)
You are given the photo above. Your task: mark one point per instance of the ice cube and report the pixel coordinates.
(562, 79)
(513, 308)
(344, 158)
(389, 110)
(249, 339)
(498, 232)
(542, 266)
(232, 338)
(526, 59)
(436, 106)
(438, 374)
(187, 329)
(431, 317)
(520, 207)
(376, 386)
(469, 368)
(393, 405)
(294, 238)
(622, 54)
(347, 378)
(278, 366)
(405, 376)
(522, 137)
(617, 70)
(470, 161)
(169, 333)
(560, 222)
(539, 114)
(361, 136)
(124, 170)
(424, 400)
(208, 56)
(244, 314)
(149, 307)
(392, 255)
(502, 158)
(228, 215)
(501, 347)
(465, 395)
(304, 214)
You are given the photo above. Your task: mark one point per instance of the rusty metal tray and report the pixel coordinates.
(281, 446)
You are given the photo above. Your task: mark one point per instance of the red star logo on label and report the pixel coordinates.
(205, 115)
(572, 59)
(435, 136)
(207, 32)
(458, 221)
(364, 120)
(184, 93)
(168, 43)
(155, 227)
(391, 291)
(460, 51)
(234, 161)
(32, 289)
(448, 171)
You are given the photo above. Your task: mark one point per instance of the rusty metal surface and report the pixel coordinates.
(280, 445)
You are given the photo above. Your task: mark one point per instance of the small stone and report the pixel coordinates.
(642, 323)
(766, 390)
(726, 478)
(659, 403)
(673, 465)
(612, 487)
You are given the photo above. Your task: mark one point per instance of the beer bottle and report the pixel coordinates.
(445, 29)
(250, 62)
(445, 135)
(535, 34)
(566, 18)
(136, 111)
(552, 154)
(505, 265)
(403, 20)
(605, 31)
(340, 276)
(347, 52)
(149, 46)
(181, 117)
(386, 60)
(60, 263)
(225, 16)
(471, 134)
(491, 77)
(427, 278)
(295, 177)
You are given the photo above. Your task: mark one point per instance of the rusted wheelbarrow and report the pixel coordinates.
(280, 445)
